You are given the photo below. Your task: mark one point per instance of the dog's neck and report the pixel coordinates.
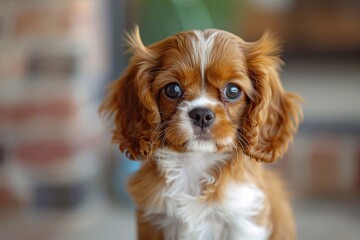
(187, 172)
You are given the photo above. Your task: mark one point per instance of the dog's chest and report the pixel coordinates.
(184, 215)
(186, 173)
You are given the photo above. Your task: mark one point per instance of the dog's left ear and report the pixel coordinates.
(273, 114)
(132, 103)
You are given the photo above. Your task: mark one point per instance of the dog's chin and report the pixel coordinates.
(204, 142)
(201, 144)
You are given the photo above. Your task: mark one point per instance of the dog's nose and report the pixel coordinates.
(202, 117)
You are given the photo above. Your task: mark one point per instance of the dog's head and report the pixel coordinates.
(203, 91)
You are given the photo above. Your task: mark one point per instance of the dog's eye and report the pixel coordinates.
(173, 90)
(232, 92)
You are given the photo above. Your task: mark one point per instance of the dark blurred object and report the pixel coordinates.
(2, 155)
(61, 197)
(307, 27)
(325, 162)
(358, 164)
(52, 65)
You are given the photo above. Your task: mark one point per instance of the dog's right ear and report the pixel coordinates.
(273, 116)
(131, 102)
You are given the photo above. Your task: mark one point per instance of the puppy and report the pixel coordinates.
(203, 110)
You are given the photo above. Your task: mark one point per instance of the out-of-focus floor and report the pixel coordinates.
(103, 221)
(331, 220)
(316, 219)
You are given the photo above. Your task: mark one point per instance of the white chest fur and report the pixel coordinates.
(184, 215)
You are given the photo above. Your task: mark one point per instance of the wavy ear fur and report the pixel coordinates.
(131, 102)
(273, 115)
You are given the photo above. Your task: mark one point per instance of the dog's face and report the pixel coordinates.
(203, 91)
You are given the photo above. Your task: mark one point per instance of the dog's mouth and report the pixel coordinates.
(201, 141)
(202, 134)
(204, 141)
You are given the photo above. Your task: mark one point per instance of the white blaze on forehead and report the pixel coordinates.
(202, 48)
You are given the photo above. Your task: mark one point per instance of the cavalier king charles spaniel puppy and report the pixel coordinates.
(203, 111)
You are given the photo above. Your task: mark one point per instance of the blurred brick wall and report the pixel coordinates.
(53, 60)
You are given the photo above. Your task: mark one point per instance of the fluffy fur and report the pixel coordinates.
(205, 183)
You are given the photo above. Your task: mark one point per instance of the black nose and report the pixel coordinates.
(202, 117)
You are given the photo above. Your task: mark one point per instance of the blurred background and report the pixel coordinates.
(60, 178)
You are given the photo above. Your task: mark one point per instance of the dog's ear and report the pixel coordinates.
(132, 103)
(273, 114)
